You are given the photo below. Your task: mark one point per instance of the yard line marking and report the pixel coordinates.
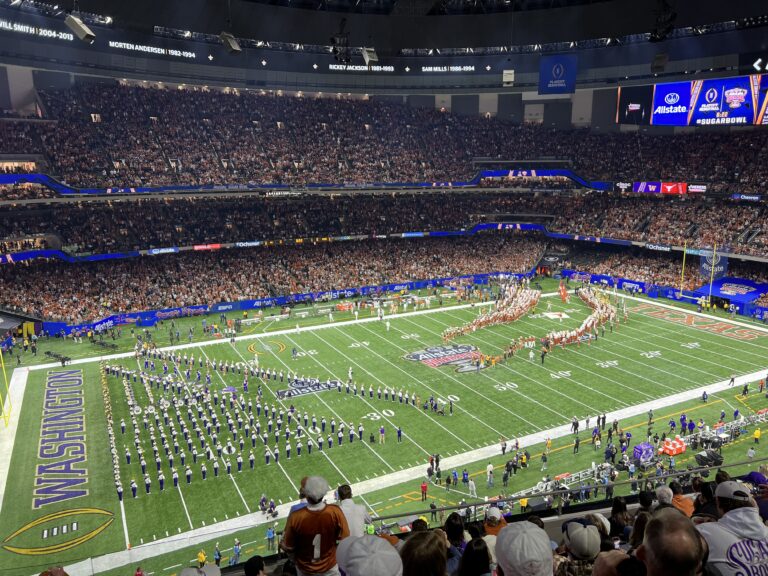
(248, 509)
(505, 365)
(631, 327)
(278, 463)
(183, 503)
(548, 370)
(411, 376)
(322, 400)
(469, 388)
(708, 336)
(125, 525)
(382, 382)
(172, 567)
(215, 341)
(332, 373)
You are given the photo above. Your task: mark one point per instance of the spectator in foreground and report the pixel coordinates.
(582, 543)
(671, 546)
(645, 498)
(638, 530)
(494, 521)
(356, 515)
(368, 556)
(476, 560)
(738, 539)
(664, 496)
(311, 533)
(254, 566)
(523, 549)
(679, 501)
(620, 519)
(425, 554)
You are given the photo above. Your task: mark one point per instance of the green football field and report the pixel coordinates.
(60, 504)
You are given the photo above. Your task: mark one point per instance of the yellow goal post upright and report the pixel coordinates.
(712, 275)
(682, 271)
(681, 290)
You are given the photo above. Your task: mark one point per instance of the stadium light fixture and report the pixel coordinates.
(227, 38)
(79, 29)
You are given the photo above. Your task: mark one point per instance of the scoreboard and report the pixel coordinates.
(736, 101)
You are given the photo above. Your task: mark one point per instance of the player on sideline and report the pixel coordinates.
(733, 380)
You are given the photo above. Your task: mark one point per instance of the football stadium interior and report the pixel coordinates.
(383, 287)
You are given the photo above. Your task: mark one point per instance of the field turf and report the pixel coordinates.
(656, 354)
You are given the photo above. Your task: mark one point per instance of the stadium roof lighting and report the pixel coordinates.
(79, 28)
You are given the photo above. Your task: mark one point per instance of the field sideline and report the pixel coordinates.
(665, 355)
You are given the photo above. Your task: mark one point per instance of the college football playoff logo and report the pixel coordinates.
(459, 355)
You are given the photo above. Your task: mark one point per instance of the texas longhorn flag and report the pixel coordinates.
(563, 292)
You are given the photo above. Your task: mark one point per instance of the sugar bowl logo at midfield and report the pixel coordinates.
(459, 355)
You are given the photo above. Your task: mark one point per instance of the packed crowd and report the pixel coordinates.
(132, 224)
(656, 269)
(183, 221)
(661, 271)
(719, 529)
(25, 192)
(110, 135)
(83, 292)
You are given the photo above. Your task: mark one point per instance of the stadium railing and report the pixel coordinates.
(256, 535)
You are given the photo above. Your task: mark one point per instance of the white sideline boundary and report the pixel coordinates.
(260, 335)
(18, 385)
(415, 473)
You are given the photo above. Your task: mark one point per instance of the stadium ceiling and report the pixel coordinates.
(390, 25)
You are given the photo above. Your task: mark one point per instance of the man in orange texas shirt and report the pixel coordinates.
(311, 533)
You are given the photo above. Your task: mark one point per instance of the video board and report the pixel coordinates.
(736, 101)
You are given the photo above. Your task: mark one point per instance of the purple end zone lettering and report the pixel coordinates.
(50, 490)
(63, 474)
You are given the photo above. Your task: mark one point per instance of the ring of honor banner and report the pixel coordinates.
(736, 101)
(557, 74)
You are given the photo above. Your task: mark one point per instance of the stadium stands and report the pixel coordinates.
(112, 135)
(91, 291)
(131, 224)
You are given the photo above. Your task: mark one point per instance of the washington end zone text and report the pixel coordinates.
(62, 475)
